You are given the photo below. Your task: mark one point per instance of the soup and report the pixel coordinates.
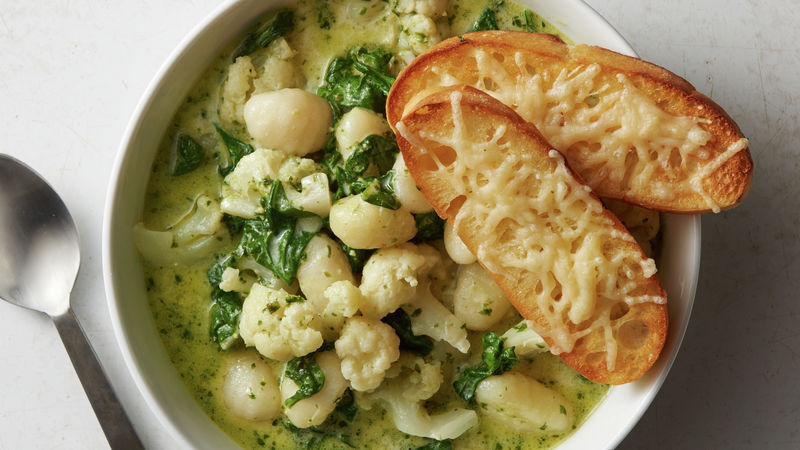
(303, 288)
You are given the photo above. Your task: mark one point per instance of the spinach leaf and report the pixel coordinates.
(236, 148)
(281, 25)
(373, 155)
(375, 151)
(380, 192)
(356, 257)
(361, 78)
(308, 376)
(496, 360)
(346, 409)
(429, 227)
(333, 428)
(235, 224)
(225, 317)
(527, 22)
(312, 437)
(277, 242)
(437, 445)
(189, 155)
(401, 323)
(214, 272)
(488, 18)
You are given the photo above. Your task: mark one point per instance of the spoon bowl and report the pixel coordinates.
(39, 260)
(39, 252)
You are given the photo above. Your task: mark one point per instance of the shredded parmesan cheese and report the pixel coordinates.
(613, 133)
(558, 231)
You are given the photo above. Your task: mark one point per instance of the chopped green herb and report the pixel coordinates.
(325, 17)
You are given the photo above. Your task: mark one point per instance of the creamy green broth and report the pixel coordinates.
(179, 295)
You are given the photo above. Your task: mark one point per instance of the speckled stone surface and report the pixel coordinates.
(73, 72)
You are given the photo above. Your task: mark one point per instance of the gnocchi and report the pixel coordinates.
(406, 189)
(291, 120)
(523, 403)
(478, 301)
(250, 390)
(456, 249)
(362, 225)
(325, 263)
(313, 410)
(355, 125)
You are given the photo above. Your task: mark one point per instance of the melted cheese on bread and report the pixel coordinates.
(617, 129)
(562, 259)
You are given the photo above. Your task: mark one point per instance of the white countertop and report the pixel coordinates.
(73, 72)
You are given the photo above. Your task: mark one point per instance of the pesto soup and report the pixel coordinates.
(304, 289)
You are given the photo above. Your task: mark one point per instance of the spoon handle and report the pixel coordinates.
(115, 423)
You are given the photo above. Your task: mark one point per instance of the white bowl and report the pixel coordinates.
(133, 323)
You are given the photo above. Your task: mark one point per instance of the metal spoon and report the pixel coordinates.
(39, 260)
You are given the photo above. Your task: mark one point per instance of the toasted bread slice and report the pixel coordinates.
(634, 131)
(563, 260)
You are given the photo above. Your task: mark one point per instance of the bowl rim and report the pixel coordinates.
(612, 39)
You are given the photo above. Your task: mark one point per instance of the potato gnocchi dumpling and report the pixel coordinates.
(363, 225)
(290, 120)
(250, 390)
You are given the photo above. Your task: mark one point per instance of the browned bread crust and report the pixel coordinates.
(518, 68)
(508, 162)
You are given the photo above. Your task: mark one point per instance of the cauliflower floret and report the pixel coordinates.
(525, 341)
(235, 89)
(244, 187)
(293, 169)
(430, 8)
(391, 276)
(418, 32)
(411, 381)
(344, 299)
(367, 348)
(279, 70)
(234, 280)
(304, 184)
(431, 318)
(280, 326)
(415, 378)
(197, 234)
(313, 196)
